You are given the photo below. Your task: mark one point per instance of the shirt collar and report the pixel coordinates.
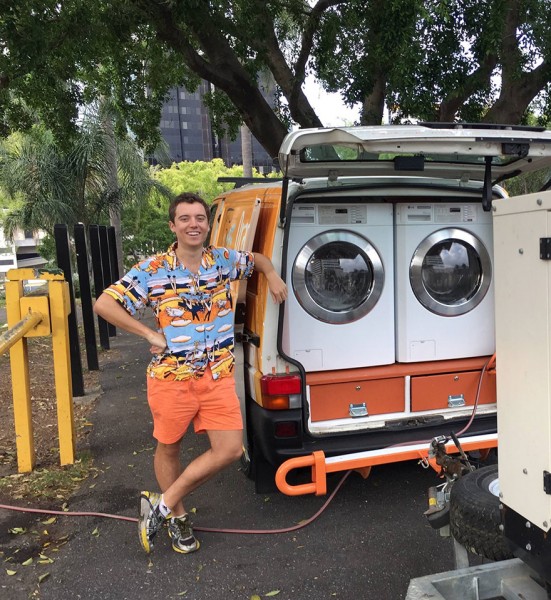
(173, 259)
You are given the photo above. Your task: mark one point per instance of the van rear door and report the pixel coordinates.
(234, 226)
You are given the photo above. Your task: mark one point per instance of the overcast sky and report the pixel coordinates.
(330, 107)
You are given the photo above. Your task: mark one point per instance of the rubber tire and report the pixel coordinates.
(475, 516)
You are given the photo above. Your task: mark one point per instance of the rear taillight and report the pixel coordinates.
(276, 390)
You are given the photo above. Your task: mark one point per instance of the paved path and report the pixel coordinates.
(368, 543)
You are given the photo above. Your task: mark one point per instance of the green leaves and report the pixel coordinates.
(422, 59)
(267, 595)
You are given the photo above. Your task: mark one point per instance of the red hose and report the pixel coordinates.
(196, 528)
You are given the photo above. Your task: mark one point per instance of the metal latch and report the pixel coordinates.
(247, 337)
(456, 401)
(545, 248)
(357, 410)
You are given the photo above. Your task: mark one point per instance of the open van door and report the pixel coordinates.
(234, 226)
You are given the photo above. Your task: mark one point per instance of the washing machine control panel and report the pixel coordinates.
(329, 214)
(440, 213)
(355, 214)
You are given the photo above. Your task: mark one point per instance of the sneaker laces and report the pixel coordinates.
(184, 527)
(154, 521)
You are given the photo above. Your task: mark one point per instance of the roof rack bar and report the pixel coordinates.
(241, 181)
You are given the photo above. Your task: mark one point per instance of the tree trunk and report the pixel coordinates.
(518, 87)
(113, 187)
(373, 105)
(218, 64)
(515, 99)
(247, 151)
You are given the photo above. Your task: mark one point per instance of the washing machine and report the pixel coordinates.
(444, 281)
(340, 309)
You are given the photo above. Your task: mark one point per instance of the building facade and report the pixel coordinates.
(187, 129)
(19, 254)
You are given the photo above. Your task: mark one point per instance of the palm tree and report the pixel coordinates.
(84, 181)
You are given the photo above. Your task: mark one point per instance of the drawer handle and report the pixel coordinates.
(456, 401)
(357, 410)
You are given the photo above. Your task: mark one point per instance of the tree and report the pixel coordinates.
(199, 177)
(360, 46)
(145, 227)
(491, 58)
(454, 60)
(48, 183)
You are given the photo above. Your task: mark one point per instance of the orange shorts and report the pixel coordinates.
(211, 405)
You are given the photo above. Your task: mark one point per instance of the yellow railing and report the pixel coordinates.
(39, 316)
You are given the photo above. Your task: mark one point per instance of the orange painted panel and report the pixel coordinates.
(397, 370)
(332, 401)
(433, 391)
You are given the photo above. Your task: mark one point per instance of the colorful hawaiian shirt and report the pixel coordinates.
(193, 310)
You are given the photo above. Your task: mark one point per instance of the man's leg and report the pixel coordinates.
(226, 448)
(168, 468)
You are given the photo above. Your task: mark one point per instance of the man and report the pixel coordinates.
(190, 377)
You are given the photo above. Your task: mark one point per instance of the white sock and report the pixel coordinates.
(163, 507)
(179, 516)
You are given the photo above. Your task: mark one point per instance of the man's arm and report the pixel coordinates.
(276, 285)
(110, 310)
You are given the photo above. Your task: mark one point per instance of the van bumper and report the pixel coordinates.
(263, 425)
(363, 461)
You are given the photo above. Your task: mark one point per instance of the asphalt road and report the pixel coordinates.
(367, 543)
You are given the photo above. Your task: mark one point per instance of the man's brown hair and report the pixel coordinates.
(188, 198)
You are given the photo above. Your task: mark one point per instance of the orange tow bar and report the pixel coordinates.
(363, 461)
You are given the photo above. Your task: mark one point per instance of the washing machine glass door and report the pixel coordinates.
(450, 272)
(338, 276)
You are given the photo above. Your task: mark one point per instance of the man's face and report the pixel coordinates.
(190, 225)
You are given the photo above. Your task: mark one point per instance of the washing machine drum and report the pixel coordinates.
(338, 277)
(450, 272)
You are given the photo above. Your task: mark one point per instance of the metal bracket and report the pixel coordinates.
(247, 337)
(519, 149)
(545, 248)
(332, 177)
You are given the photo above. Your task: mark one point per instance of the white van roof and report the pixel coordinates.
(449, 151)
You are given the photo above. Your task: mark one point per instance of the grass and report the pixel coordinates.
(50, 483)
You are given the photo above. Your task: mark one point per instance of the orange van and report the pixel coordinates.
(384, 236)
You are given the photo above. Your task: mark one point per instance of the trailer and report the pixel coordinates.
(509, 511)
(511, 580)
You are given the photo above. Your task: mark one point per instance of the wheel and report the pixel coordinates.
(475, 516)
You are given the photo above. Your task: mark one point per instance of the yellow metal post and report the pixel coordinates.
(59, 310)
(58, 307)
(19, 365)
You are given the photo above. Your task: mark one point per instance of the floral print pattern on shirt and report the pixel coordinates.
(193, 310)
